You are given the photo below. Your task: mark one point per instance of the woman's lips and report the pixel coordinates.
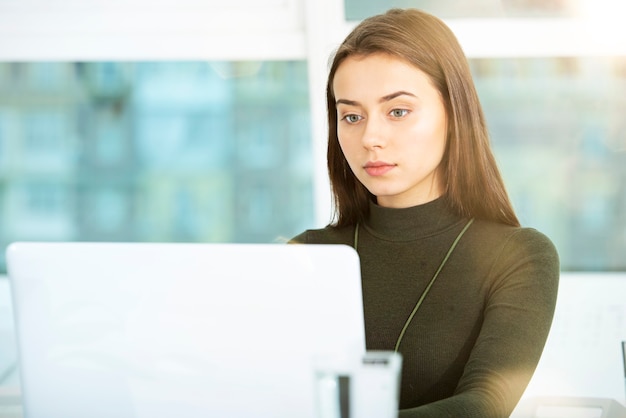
(378, 168)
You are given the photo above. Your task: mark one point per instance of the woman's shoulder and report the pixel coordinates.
(327, 235)
(511, 245)
(512, 235)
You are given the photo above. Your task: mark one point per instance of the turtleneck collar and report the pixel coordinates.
(411, 223)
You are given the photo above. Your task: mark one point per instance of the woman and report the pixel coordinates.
(450, 279)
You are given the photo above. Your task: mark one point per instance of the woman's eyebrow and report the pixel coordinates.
(383, 99)
(396, 94)
(347, 102)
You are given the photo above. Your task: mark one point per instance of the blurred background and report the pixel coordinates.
(161, 145)
(154, 151)
(200, 121)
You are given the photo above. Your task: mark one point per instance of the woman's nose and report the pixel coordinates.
(374, 134)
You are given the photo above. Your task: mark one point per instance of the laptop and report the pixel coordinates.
(156, 330)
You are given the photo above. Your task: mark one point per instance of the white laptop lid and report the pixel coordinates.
(180, 330)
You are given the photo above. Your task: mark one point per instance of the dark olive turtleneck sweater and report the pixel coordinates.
(475, 341)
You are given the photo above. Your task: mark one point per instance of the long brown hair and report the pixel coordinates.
(471, 180)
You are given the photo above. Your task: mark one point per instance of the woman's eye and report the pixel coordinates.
(352, 118)
(398, 113)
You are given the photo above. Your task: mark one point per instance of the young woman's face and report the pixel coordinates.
(391, 124)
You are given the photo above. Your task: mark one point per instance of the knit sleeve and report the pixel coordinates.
(517, 318)
(302, 238)
(328, 235)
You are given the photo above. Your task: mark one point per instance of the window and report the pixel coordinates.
(559, 137)
(155, 151)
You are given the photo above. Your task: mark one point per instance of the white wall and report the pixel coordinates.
(583, 354)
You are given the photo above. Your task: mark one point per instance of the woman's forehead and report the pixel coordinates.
(378, 73)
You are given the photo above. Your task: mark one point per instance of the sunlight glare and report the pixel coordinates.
(611, 10)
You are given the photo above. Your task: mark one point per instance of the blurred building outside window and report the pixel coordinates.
(192, 152)
(156, 151)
